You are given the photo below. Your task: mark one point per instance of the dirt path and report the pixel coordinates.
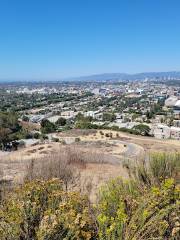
(107, 154)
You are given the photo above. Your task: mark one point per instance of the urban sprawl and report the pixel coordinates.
(148, 107)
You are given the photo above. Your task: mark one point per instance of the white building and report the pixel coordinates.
(68, 114)
(92, 114)
(175, 133)
(171, 101)
(161, 131)
(96, 91)
(164, 132)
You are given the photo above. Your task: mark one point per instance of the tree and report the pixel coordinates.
(4, 136)
(61, 121)
(37, 135)
(25, 118)
(109, 117)
(47, 126)
(149, 114)
(142, 129)
(9, 126)
(81, 117)
(85, 125)
(9, 120)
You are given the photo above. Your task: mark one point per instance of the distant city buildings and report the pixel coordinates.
(149, 101)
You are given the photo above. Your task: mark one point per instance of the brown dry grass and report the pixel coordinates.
(84, 166)
(148, 143)
(81, 168)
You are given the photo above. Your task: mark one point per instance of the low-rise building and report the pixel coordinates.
(164, 132)
(175, 133)
(161, 131)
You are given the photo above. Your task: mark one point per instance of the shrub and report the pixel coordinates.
(77, 139)
(107, 134)
(25, 118)
(144, 207)
(37, 135)
(109, 117)
(42, 210)
(85, 125)
(45, 137)
(54, 139)
(47, 126)
(61, 121)
(115, 128)
(159, 167)
(142, 129)
(126, 212)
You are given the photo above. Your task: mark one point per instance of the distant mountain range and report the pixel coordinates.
(125, 76)
(104, 77)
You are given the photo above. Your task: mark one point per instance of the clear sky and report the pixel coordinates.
(62, 38)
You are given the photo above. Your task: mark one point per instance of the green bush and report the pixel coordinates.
(109, 117)
(43, 210)
(142, 129)
(127, 212)
(54, 139)
(37, 135)
(144, 207)
(85, 125)
(61, 121)
(47, 126)
(157, 168)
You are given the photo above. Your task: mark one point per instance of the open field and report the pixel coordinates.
(148, 143)
(103, 153)
(99, 166)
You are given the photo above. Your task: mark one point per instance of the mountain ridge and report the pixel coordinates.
(127, 76)
(104, 77)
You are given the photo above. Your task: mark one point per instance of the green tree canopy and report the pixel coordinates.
(61, 121)
(9, 125)
(109, 117)
(142, 129)
(47, 126)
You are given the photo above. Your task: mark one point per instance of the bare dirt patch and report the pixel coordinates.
(101, 154)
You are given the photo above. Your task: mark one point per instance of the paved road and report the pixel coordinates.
(132, 152)
(132, 149)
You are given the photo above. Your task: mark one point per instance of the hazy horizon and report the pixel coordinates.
(165, 73)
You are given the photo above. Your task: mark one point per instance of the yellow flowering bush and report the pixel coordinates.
(139, 214)
(145, 207)
(43, 210)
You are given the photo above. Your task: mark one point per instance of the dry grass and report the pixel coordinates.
(83, 166)
(149, 144)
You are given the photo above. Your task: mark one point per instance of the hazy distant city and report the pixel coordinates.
(109, 103)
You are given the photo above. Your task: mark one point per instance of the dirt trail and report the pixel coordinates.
(107, 154)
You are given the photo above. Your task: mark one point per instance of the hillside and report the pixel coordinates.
(126, 76)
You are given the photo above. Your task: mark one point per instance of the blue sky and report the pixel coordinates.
(50, 39)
